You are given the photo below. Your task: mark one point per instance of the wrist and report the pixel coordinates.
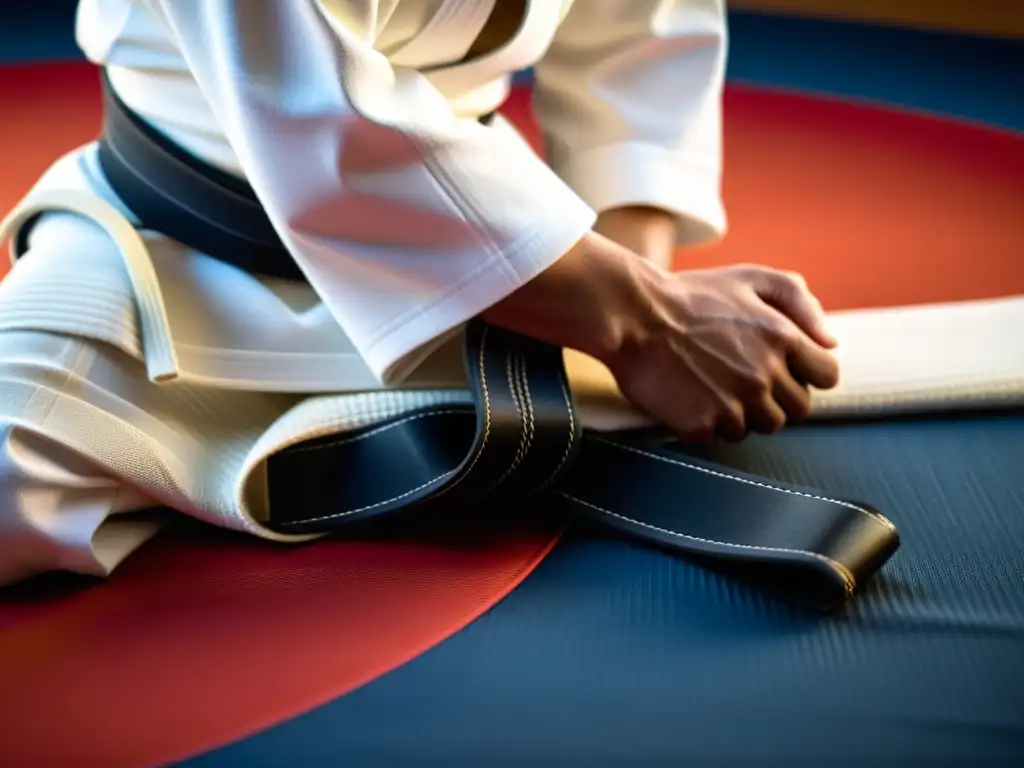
(596, 299)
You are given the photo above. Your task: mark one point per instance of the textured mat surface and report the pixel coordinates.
(204, 637)
(612, 655)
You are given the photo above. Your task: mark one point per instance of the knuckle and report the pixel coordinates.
(772, 421)
(732, 425)
(790, 286)
(757, 381)
(700, 427)
(734, 412)
(706, 423)
(780, 332)
(747, 271)
(781, 372)
(793, 280)
(765, 273)
(765, 418)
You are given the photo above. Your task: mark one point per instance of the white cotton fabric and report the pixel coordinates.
(135, 373)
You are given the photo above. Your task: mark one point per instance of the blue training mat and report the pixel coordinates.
(613, 655)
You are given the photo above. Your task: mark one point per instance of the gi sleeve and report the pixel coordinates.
(406, 218)
(629, 100)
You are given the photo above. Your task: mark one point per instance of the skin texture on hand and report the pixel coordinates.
(649, 232)
(732, 350)
(708, 353)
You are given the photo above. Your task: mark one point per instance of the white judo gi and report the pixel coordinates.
(138, 374)
(135, 373)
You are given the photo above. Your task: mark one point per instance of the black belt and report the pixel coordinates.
(520, 438)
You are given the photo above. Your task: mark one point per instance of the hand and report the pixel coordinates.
(733, 350)
(708, 353)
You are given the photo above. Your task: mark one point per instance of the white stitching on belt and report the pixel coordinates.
(519, 386)
(383, 428)
(531, 424)
(480, 450)
(848, 580)
(572, 430)
(745, 481)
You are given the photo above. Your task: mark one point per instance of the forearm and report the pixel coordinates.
(629, 100)
(649, 232)
(420, 220)
(595, 299)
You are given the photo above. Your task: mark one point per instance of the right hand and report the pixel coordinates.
(730, 351)
(708, 353)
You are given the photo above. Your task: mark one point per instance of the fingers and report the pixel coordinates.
(732, 424)
(792, 397)
(792, 365)
(718, 420)
(813, 366)
(765, 395)
(764, 415)
(788, 293)
(753, 344)
(809, 363)
(765, 411)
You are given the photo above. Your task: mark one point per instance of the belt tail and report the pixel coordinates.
(521, 442)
